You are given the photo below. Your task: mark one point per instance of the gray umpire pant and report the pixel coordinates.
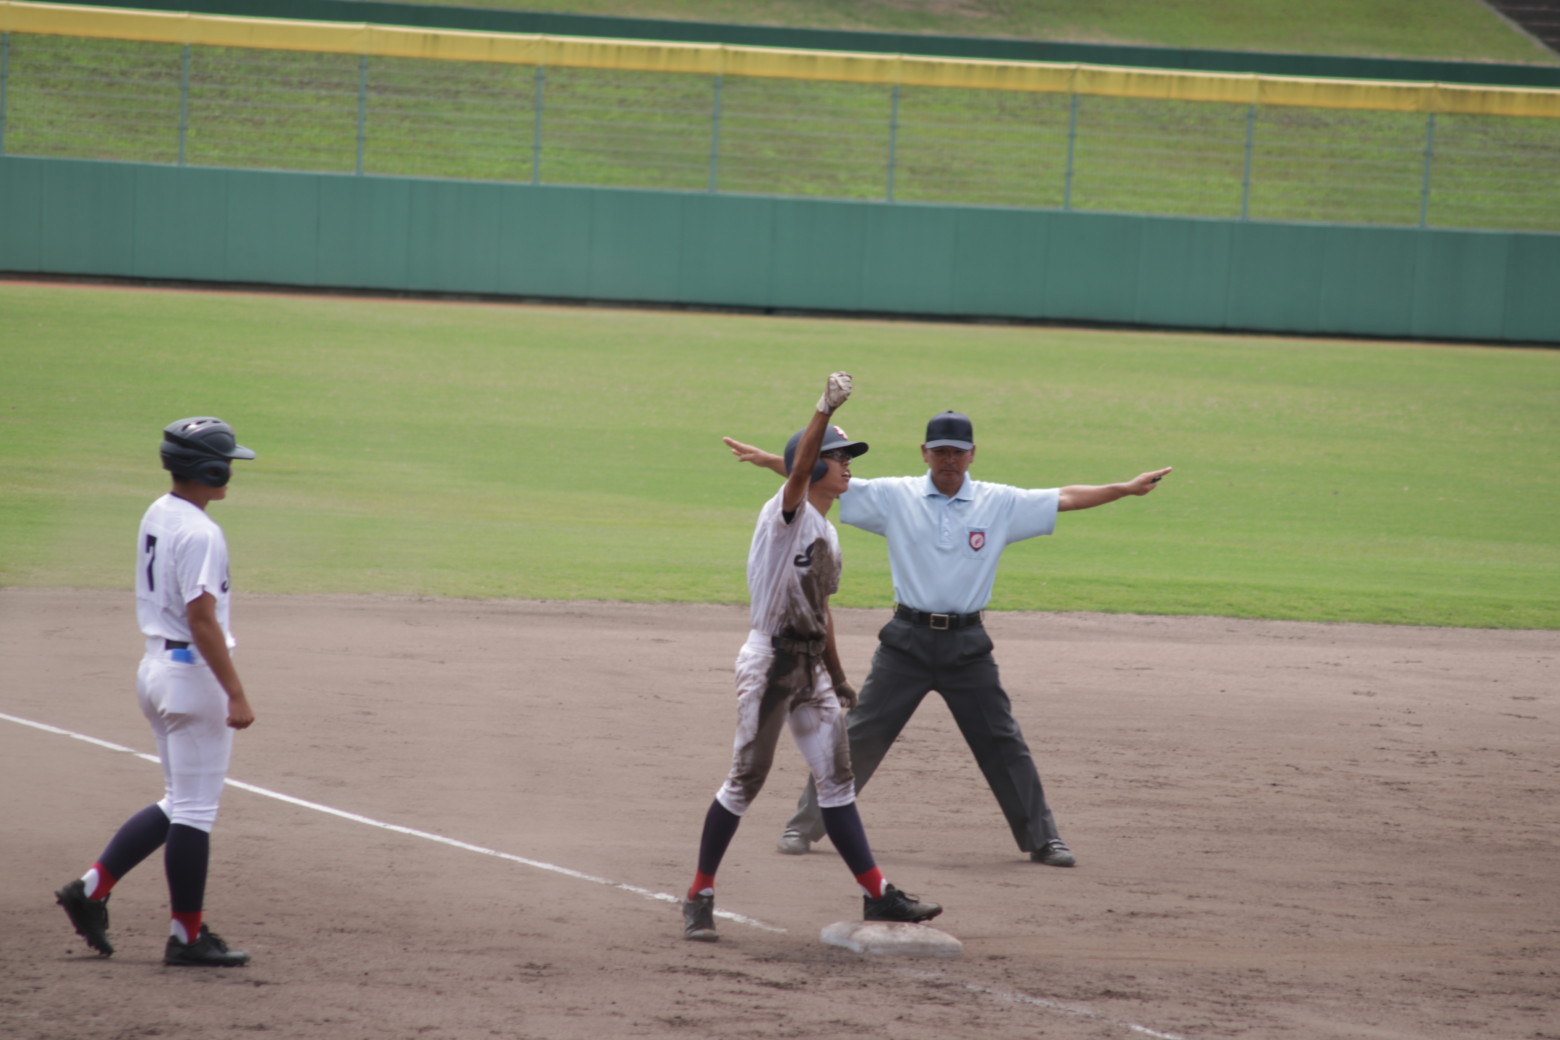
(912, 660)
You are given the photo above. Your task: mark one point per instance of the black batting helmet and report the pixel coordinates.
(834, 439)
(199, 448)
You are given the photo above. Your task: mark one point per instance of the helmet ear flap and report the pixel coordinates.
(213, 473)
(820, 468)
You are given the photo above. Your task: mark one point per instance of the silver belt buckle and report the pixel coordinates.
(934, 619)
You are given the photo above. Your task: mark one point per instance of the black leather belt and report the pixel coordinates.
(940, 622)
(805, 647)
(175, 644)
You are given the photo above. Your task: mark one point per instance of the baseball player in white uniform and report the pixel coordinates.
(789, 672)
(189, 692)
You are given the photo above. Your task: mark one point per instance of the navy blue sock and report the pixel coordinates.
(138, 837)
(185, 859)
(843, 825)
(720, 826)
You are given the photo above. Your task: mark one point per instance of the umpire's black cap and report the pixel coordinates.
(950, 430)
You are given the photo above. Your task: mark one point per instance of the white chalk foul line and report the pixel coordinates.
(1076, 1012)
(411, 832)
(664, 897)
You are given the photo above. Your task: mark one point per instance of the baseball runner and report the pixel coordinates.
(189, 692)
(789, 673)
(945, 536)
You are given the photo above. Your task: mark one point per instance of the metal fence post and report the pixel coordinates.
(184, 101)
(536, 127)
(715, 135)
(362, 128)
(5, 77)
(1424, 190)
(893, 139)
(1245, 177)
(1072, 138)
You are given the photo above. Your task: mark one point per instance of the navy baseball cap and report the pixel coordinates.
(834, 439)
(950, 430)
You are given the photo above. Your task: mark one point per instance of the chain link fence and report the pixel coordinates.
(68, 97)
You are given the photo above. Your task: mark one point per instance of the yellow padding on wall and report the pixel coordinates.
(776, 63)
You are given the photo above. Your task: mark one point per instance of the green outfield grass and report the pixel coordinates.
(454, 449)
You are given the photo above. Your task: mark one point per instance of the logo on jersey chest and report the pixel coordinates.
(977, 540)
(804, 559)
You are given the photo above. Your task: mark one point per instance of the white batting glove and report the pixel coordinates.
(835, 393)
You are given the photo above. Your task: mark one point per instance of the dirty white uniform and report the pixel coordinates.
(793, 569)
(182, 555)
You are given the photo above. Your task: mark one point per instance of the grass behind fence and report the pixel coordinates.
(472, 450)
(1458, 30)
(74, 98)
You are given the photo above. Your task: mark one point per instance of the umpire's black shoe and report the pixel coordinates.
(88, 916)
(207, 951)
(793, 843)
(1054, 853)
(894, 905)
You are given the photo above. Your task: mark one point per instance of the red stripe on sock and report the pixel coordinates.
(872, 881)
(105, 882)
(191, 923)
(701, 881)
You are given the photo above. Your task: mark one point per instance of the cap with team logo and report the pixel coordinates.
(834, 439)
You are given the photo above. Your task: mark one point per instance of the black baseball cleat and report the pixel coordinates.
(1054, 853)
(699, 918)
(894, 905)
(207, 951)
(88, 916)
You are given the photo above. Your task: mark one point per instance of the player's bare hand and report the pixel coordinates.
(240, 714)
(835, 393)
(1143, 483)
(846, 693)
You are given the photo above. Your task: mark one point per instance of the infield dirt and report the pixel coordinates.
(1283, 830)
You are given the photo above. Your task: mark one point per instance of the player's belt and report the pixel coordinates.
(940, 622)
(805, 647)
(175, 644)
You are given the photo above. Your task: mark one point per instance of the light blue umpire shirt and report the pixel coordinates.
(942, 551)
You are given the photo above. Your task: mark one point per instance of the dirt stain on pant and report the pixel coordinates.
(790, 686)
(791, 681)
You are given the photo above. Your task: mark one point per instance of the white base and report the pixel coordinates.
(892, 938)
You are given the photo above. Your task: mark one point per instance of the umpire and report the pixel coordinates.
(945, 536)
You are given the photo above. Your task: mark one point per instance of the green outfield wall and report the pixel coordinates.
(328, 231)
